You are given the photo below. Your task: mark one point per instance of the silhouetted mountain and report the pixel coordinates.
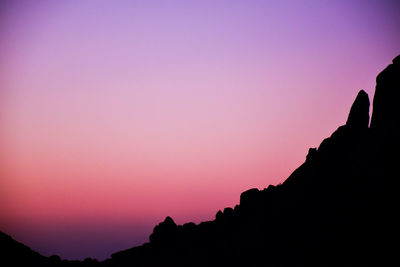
(17, 253)
(13, 253)
(339, 208)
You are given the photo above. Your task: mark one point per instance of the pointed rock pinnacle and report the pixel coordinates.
(359, 112)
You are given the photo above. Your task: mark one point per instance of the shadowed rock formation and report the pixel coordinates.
(386, 111)
(339, 208)
(165, 231)
(359, 112)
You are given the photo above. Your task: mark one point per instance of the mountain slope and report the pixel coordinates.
(18, 254)
(338, 208)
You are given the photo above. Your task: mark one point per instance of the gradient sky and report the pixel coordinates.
(115, 114)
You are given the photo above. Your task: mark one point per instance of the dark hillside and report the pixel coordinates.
(339, 208)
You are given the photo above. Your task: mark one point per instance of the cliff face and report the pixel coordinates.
(339, 207)
(386, 111)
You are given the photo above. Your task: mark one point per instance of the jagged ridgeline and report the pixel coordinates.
(339, 208)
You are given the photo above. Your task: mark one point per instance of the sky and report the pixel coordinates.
(116, 114)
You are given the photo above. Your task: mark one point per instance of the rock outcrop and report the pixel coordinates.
(165, 231)
(359, 112)
(386, 104)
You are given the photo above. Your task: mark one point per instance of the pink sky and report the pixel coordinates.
(115, 114)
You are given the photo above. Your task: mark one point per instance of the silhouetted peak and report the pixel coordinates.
(359, 112)
(164, 231)
(169, 221)
(386, 112)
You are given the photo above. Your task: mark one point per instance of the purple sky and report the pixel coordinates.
(115, 114)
